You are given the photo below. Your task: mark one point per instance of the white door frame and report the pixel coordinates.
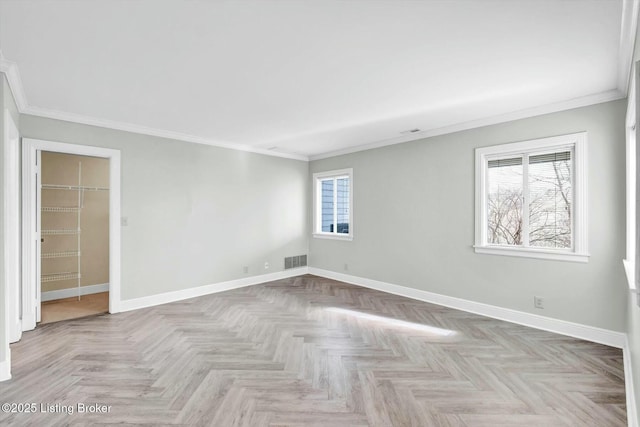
(31, 226)
(11, 209)
(10, 242)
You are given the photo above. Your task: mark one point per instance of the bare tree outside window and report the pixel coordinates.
(549, 203)
(550, 194)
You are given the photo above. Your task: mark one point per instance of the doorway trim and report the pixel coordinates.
(11, 211)
(11, 241)
(30, 226)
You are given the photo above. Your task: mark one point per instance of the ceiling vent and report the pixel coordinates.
(405, 132)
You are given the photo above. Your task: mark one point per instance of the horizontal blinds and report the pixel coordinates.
(538, 158)
(515, 161)
(550, 157)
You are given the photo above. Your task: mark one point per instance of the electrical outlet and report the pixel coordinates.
(538, 302)
(346, 267)
(245, 269)
(266, 265)
(124, 221)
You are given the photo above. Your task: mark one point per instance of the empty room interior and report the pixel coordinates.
(309, 213)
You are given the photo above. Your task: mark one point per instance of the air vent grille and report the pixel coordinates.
(295, 261)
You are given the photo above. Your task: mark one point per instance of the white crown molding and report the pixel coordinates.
(576, 330)
(632, 408)
(10, 69)
(143, 130)
(598, 98)
(628, 29)
(167, 297)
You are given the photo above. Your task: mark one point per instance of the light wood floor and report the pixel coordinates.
(71, 308)
(312, 351)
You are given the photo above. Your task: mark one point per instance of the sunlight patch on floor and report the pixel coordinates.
(388, 321)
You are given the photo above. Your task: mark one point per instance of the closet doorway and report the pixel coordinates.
(74, 236)
(71, 231)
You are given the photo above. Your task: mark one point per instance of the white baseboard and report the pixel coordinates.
(73, 292)
(15, 331)
(5, 367)
(563, 327)
(589, 333)
(150, 301)
(632, 409)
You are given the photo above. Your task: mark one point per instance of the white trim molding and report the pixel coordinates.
(585, 101)
(5, 368)
(532, 253)
(632, 408)
(576, 144)
(161, 133)
(316, 182)
(73, 292)
(10, 69)
(630, 262)
(628, 28)
(631, 180)
(629, 271)
(562, 327)
(31, 231)
(15, 83)
(11, 240)
(182, 294)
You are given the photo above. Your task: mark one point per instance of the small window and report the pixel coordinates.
(333, 200)
(531, 199)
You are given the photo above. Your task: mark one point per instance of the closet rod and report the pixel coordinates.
(60, 231)
(60, 209)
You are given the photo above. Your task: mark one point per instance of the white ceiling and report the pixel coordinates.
(308, 77)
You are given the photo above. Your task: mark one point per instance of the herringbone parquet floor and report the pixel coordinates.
(312, 351)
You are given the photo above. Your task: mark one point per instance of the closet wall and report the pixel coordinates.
(59, 247)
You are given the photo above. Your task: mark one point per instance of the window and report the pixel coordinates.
(632, 259)
(333, 201)
(531, 199)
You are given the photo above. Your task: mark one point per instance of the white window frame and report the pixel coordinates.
(317, 204)
(577, 143)
(631, 259)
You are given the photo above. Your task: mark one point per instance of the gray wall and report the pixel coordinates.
(9, 103)
(196, 214)
(414, 221)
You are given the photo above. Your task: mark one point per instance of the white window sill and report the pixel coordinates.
(333, 236)
(629, 271)
(532, 253)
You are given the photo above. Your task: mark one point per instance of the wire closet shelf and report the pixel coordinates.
(68, 275)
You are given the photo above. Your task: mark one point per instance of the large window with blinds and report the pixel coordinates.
(531, 198)
(333, 200)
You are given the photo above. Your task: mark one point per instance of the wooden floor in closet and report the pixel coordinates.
(71, 308)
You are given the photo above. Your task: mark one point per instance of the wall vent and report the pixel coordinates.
(414, 130)
(295, 261)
